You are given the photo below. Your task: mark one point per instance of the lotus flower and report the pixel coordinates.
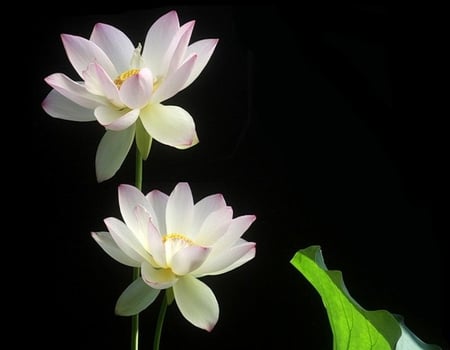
(123, 87)
(174, 242)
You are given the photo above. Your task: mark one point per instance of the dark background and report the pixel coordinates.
(306, 118)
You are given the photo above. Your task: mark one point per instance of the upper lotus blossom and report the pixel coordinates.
(123, 87)
(174, 242)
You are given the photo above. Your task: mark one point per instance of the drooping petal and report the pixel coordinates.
(236, 229)
(223, 261)
(58, 106)
(204, 50)
(108, 244)
(157, 41)
(125, 239)
(174, 82)
(169, 125)
(81, 52)
(180, 208)
(117, 46)
(203, 208)
(137, 89)
(98, 82)
(111, 152)
(116, 120)
(135, 298)
(143, 140)
(158, 201)
(214, 226)
(74, 91)
(196, 302)
(188, 259)
(158, 278)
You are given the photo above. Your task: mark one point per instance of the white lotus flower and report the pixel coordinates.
(175, 242)
(123, 87)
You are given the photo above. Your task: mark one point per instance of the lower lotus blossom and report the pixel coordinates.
(174, 242)
(124, 87)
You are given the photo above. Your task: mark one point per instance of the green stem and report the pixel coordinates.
(136, 270)
(160, 321)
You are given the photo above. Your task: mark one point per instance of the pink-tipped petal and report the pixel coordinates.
(107, 243)
(180, 208)
(214, 226)
(116, 120)
(98, 82)
(226, 260)
(74, 91)
(130, 198)
(183, 36)
(158, 278)
(203, 208)
(175, 81)
(111, 152)
(159, 38)
(237, 228)
(135, 298)
(81, 52)
(137, 89)
(169, 125)
(58, 106)
(116, 45)
(204, 50)
(125, 239)
(188, 259)
(196, 302)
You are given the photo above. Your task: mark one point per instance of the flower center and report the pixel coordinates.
(124, 76)
(173, 242)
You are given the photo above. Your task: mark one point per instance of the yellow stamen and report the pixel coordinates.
(124, 76)
(177, 236)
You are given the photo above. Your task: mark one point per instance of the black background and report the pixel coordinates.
(305, 119)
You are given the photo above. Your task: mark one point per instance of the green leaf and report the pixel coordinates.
(353, 327)
(143, 140)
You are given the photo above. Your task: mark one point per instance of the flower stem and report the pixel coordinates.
(160, 321)
(136, 270)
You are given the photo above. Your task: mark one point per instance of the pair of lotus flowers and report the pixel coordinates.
(173, 240)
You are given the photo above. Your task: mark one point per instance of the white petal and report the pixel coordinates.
(74, 91)
(116, 120)
(158, 278)
(111, 152)
(157, 41)
(158, 201)
(135, 298)
(188, 259)
(196, 302)
(214, 226)
(203, 208)
(169, 125)
(108, 244)
(204, 50)
(81, 52)
(174, 82)
(117, 46)
(180, 208)
(58, 106)
(227, 260)
(137, 89)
